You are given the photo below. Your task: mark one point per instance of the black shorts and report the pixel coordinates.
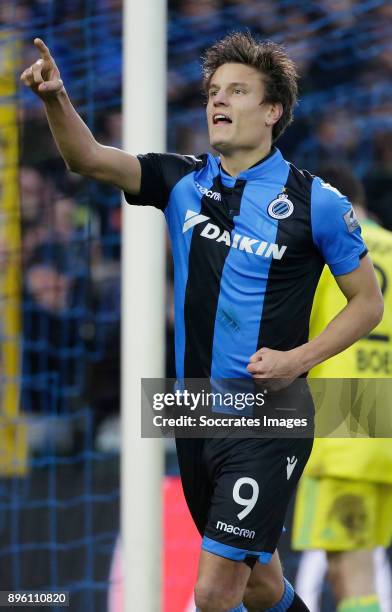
(238, 490)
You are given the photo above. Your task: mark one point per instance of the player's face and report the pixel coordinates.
(237, 91)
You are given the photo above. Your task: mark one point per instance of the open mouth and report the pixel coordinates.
(219, 119)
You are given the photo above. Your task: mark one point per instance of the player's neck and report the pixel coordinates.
(236, 162)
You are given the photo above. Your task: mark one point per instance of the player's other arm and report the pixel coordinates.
(77, 145)
(340, 244)
(363, 312)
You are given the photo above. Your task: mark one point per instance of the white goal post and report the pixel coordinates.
(143, 285)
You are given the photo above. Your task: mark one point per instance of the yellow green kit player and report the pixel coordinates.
(344, 501)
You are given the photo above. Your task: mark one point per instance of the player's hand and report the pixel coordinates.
(43, 77)
(280, 366)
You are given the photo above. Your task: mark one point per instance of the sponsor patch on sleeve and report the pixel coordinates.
(351, 220)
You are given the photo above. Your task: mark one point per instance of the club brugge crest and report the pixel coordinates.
(281, 207)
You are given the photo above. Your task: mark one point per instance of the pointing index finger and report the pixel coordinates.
(43, 49)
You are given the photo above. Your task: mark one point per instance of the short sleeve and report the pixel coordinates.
(335, 229)
(160, 173)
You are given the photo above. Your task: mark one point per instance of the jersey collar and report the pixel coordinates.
(259, 170)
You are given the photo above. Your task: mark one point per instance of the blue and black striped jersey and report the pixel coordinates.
(248, 253)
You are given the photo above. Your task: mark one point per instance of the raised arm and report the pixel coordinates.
(77, 145)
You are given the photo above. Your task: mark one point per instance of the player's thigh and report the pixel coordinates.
(351, 573)
(335, 514)
(252, 490)
(194, 478)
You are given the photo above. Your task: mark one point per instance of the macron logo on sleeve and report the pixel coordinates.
(214, 195)
(242, 243)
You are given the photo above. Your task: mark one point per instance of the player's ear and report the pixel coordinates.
(274, 113)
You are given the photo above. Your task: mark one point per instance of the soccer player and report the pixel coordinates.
(344, 501)
(250, 236)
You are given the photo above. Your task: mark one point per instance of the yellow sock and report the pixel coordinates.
(367, 603)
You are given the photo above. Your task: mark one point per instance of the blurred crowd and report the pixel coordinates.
(71, 227)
